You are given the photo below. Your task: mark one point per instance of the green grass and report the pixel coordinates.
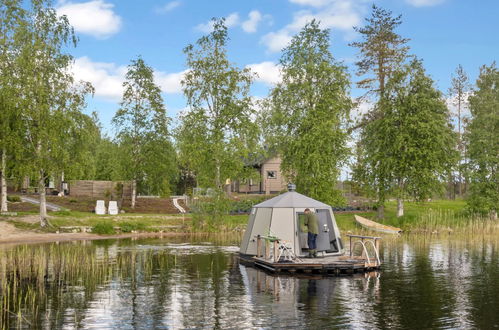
(434, 216)
(427, 217)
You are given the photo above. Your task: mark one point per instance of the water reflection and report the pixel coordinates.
(165, 283)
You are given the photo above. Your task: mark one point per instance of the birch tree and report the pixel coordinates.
(483, 143)
(141, 123)
(219, 125)
(412, 147)
(51, 102)
(308, 115)
(11, 16)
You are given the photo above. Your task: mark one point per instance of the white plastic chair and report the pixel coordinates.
(113, 208)
(100, 207)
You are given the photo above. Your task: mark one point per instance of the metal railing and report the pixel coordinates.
(362, 241)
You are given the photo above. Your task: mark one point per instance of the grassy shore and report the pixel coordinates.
(429, 217)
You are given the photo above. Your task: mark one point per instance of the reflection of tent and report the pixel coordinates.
(281, 217)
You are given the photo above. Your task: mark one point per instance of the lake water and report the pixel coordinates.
(164, 283)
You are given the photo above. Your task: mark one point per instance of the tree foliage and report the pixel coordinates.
(307, 115)
(483, 142)
(382, 50)
(411, 148)
(459, 93)
(142, 132)
(218, 132)
(51, 102)
(11, 16)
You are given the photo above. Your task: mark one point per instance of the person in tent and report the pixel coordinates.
(313, 229)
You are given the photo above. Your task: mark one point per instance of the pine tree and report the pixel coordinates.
(459, 94)
(382, 52)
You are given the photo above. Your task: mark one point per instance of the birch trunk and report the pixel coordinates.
(43, 201)
(400, 201)
(3, 183)
(134, 193)
(217, 175)
(400, 207)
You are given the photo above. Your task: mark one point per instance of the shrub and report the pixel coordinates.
(128, 227)
(103, 228)
(14, 199)
(210, 210)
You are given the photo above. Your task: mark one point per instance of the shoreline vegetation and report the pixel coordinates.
(439, 217)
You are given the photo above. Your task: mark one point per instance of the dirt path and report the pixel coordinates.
(50, 206)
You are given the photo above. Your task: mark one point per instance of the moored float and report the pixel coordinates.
(276, 239)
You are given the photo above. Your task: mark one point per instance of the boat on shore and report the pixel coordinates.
(372, 225)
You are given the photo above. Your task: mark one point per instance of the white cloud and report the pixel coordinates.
(108, 78)
(95, 18)
(313, 3)
(276, 41)
(340, 15)
(230, 21)
(424, 3)
(168, 7)
(254, 17)
(268, 72)
(170, 83)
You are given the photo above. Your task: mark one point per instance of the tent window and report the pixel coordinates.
(271, 174)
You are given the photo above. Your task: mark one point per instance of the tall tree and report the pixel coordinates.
(483, 142)
(459, 93)
(50, 101)
(141, 123)
(308, 114)
(411, 148)
(11, 16)
(218, 126)
(382, 52)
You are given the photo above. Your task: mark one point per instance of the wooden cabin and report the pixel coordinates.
(270, 179)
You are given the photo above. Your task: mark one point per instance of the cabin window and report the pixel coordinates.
(271, 174)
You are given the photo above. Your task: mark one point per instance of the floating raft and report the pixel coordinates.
(372, 225)
(331, 265)
(281, 258)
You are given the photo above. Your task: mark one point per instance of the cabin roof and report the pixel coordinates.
(292, 199)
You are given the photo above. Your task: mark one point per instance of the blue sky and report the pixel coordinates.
(444, 33)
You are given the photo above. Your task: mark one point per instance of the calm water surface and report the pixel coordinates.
(164, 283)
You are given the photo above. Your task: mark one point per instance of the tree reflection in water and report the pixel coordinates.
(164, 283)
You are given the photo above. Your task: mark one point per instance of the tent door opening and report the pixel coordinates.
(326, 239)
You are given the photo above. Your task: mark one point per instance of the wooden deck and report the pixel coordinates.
(330, 265)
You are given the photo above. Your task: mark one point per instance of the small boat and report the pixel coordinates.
(372, 225)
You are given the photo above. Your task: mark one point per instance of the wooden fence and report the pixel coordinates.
(100, 189)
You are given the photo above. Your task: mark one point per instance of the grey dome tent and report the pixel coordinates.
(282, 216)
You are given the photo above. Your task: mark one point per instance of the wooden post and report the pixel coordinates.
(258, 247)
(276, 250)
(267, 249)
(350, 246)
